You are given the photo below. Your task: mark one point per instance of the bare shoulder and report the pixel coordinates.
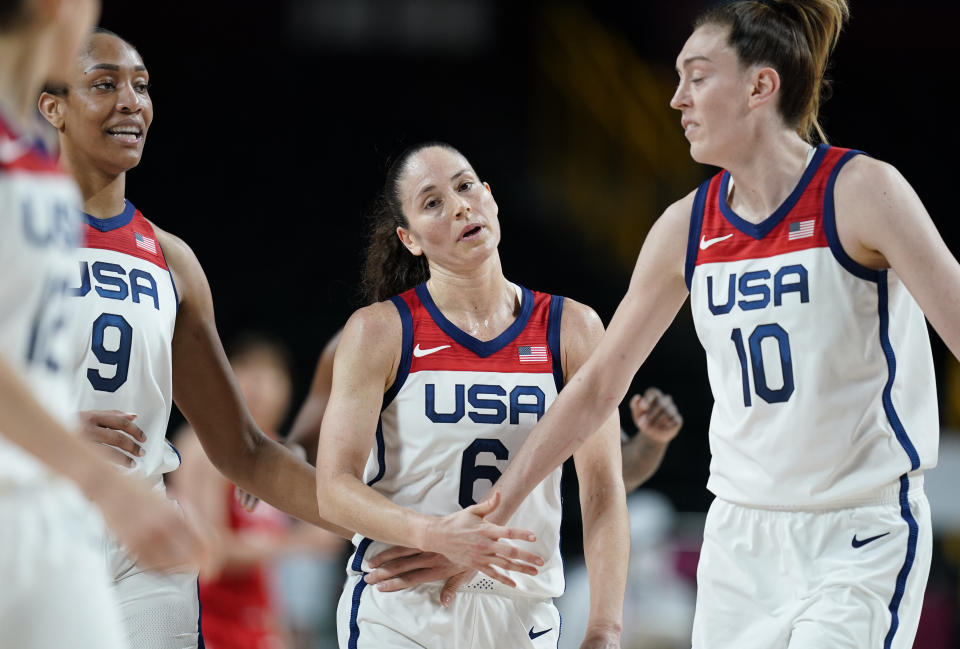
(183, 263)
(380, 319)
(875, 209)
(371, 341)
(867, 179)
(580, 332)
(579, 321)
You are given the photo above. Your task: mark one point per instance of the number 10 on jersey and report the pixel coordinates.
(754, 350)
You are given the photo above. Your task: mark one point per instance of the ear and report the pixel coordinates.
(52, 109)
(487, 185)
(765, 85)
(408, 241)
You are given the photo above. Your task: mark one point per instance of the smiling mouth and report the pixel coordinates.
(128, 135)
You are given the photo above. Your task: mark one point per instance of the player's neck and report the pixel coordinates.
(766, 175)
(482, 303)
(103, 196)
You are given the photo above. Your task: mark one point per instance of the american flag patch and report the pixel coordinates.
(532, 353)
(146, 243)
(800, 230)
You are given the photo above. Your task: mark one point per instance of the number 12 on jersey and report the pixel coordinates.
(755, 352)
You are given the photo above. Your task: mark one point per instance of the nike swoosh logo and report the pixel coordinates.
(706, 243)
(534, 636)
(857, 543)
(425, 352)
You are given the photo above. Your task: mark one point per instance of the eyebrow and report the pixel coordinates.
(692, 59)
(430, 188)
(112, 68)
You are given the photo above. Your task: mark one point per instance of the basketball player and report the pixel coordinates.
(809, 270)
(433, 390)
(654, 414)
(51, 569)
(149, 335)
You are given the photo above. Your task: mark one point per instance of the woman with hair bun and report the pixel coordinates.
(810, 269)
(435, 385)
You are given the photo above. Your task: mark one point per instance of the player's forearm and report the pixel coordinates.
(276, 475)
(573, 417)
(641, 459)
(606, 535)
(306, 427)
(348, 502)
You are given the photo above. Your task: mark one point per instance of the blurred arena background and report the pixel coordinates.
(274, 122)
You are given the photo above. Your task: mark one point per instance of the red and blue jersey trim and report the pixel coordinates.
(718, 234)
(128, 232)
(19, 153)
(536, 327)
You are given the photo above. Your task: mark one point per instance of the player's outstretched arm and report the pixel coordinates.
(606, 527)
(145, 522)
(882, 223)
(303, 435)
(206, 391)
(365, 365)
(657, 291)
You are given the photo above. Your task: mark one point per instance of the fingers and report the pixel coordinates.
(516, 555)
(115, 429)
(500, 532)
(420, 560)
(246, 499)
(411, 579)
(655, 410)
(454, 584)
(396, 552)
(486, 505)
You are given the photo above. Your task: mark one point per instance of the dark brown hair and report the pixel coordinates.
(61, 90)
(12, 13)
(388, 267)
(794, 37)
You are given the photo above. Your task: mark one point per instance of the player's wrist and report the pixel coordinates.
(423, 531)
(609, 629)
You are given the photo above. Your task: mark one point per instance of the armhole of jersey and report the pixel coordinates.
(406, 354)
(696, 222)
(176, 293)
(830, 225)
(553, 338)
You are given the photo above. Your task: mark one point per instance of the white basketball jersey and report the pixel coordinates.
(821, 369)
(38, 206)
(459, 410)
(126, 295)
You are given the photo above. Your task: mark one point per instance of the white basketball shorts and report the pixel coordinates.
(414, 618)
(158, 610)
(55, 590)
(828, 579)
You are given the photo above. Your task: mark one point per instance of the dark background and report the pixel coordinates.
(274, 123)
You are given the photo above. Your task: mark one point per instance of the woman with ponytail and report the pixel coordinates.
(809, 269)
(435, 386)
